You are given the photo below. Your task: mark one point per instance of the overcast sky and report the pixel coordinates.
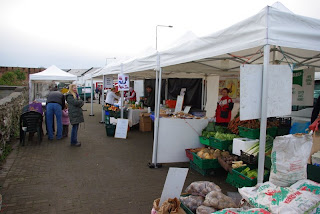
(82, 34)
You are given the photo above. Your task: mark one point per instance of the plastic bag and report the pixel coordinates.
(192, 201)
(170, 206)
(242, 211)
(205, 210)
(218, 200)
(284, 200)
(202, 188)
(289, 159)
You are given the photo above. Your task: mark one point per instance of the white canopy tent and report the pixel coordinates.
(287, 38)
(51, 74)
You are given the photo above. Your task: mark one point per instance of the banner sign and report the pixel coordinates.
(123, 82)
(303, 87)
(108, 82)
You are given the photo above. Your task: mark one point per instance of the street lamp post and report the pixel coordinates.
(170, 26)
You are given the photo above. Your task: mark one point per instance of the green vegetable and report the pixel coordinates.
(254, 149)
(223, 136)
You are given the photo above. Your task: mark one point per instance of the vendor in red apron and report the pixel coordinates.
(224, 108)
(131, 95)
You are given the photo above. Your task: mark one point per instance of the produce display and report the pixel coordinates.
(237, 164)
(251, 124)
(207, 153)
(223, 136)
(111, 107)
(205, 210)
(218, 200)
(135, 106)
(252, 173)
(208, 134)
(202, 188)
(192, 201)
(254, 149)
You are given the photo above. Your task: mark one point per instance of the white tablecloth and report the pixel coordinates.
(134, 116)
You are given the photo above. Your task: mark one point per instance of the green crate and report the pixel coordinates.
(110, 130)
(205, 163)
(267, 162)
(239, 180)
(221, 144)
(249, 133)
(107, 119)
(313, 173)
(204, 140)
(204, 172)
(255, 133)
(184, 207)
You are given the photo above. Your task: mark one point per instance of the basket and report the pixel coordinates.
(171, 103)
(255, 133)
(204, 172)
(247, 158)
(110, 130)
(221, 144)
(205, 163)
(249, 133)
(204, 140)
(189, 153)
(236, 179)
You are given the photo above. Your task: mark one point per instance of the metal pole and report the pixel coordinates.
(156, 124)
(166, 89)
(121, 101)
(91, 95)
(263, 122)
(102, 102)
(84, 95)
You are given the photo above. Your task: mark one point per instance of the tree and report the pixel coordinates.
(15, 77)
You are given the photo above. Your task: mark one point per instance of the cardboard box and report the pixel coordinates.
(145, 114)
(242, 144)
(145, 127)
(145, 119)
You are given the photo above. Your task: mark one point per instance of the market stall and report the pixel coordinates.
(270, 36)
(39, 83)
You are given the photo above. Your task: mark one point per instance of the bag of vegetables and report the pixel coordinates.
(202, 188)
(192, 201)
(205, 210)
(218, 200)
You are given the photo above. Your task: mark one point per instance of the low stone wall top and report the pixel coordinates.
(10, 111)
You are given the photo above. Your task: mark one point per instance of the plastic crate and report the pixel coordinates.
(205, 163)
(221, 144)
(267, 162)
(184, 207)
(204, 172)
(283, 130)
(249, 133)
(189, 153)
(255, 133)
(224, 165)
(204, 140)
(107, 119)
(110, 130)
(236, 179)
(247, 158)
(313, 173)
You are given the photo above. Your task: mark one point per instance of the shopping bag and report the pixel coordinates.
(170, 206)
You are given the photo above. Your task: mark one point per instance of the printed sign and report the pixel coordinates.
(179, 103)
(108, 82)
(123, 82)
(303, 87)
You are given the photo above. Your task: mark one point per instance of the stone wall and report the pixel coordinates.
(10, 111)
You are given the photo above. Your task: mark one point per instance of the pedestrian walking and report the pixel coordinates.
(54, 106)
(75, 113)
(65, 121)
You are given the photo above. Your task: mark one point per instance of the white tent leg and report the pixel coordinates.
(91, 95)
(102, 101)
(122, 96)
(263, 124)
(157, 107)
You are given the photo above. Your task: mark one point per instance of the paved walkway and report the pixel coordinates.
(105, 175)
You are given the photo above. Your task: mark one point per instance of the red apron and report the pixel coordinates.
(223, 114)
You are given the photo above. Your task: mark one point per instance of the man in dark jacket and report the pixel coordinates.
(150, 98)
(55, 104)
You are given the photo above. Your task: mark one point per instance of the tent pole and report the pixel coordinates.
(122, 95)
(154, 163)
(102, 102)
(264, 103)
(91, 95)
(166, 89)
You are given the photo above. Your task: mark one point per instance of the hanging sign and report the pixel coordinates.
(123, 82)
(108, 82)
(303, 87)
(279, 100)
